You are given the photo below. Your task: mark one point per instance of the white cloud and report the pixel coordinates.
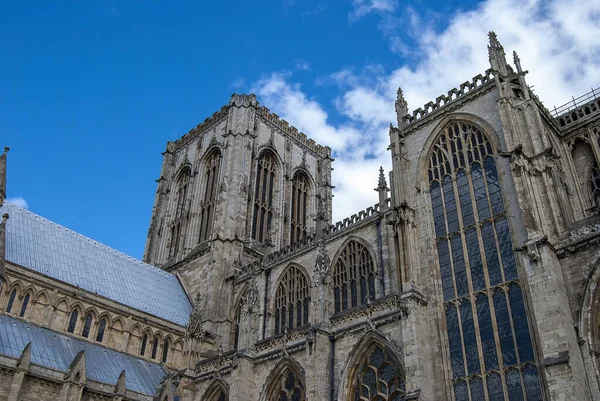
(18, 201)
(559, 48)
(361, 8)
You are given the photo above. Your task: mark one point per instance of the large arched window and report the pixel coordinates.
(378, 378)
(263, 196)
(292, 300)
(488, 334)
(211, 182)
(354, 277)
(586, 166)
(288, 387)
(299, 205)
(183, 182)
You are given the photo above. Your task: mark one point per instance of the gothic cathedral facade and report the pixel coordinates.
(473, 278)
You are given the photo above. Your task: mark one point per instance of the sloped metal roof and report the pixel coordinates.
(56, 351)
(58, 252)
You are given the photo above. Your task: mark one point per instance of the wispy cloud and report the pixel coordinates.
(301, 65)
(18, 201)
(559, 48)
(361, 8)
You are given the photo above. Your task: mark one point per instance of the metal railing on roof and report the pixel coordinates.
(576, 102)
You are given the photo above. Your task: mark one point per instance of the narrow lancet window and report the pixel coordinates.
(11, 300)
(489, 341)
(263, 196)
(154, 347)
(73, 321)
(181, 212)
(101, 328)
(299, 204)
(354, 277)
(165, 351)
(211, 184)
(144, 343)
(292, 300)
(87, 325)
(24, 305)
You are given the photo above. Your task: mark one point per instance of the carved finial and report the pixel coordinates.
(382, 188)
(6, 149)
(401, 106)
(496, 54)
(517, 61)
(322, 263)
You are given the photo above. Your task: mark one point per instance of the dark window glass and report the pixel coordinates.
(460, 274)
(24, 305)
(446, 270)
(461, 391)
(486, 332)
(456, 349)
(477, 393)
(513, 383)
(470, 342)
(154, 347)
(293, 296)
(289, 388)
(263, 196)
(506, 250)
(532, 383)
(101, 328)
(211, 182)
(73, 321)
(87, 325)
(300, 187)
(165, 351)
(144, 342)
(520, 324)
(354, 276)
(181, 209)
(477, 278)
(11, 300)
(504, 329)
(378, 378)
(491, 254)
(494, 385)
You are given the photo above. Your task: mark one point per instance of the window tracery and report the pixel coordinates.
(180, 211)
(292, 300)
(488, 334)
(211, 182)
(290, 387)
(585, 151)
(378, 378)
(299, 204)
(263, 196)
(354, 277)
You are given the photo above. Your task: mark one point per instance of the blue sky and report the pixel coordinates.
(93, 90)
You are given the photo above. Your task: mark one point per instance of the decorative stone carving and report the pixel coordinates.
(194, 328)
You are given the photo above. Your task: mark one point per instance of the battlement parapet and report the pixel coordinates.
(578, 109)
(441, 101)
(203, 126)
(355, 218)
(283, 125)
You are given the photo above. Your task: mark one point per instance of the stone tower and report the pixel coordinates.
(239, 186)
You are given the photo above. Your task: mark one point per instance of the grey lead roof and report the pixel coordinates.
(57, 351)
(55, 251)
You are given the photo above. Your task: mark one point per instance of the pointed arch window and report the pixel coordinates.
(181, 211)
(24, 305)
(211, 183)
(354, 277)
(73, 321)
(289, 387)
(586, 166)
(101, 329)
(299, 205)
(11, 300)
(87, 325)
(165, 351)
(292, 300)
(236, 325)
(144, 343)
(263, 196)
(154, 347)
(487, 328)
(379, 377)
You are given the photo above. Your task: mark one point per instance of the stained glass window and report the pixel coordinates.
(489, 340)
(292, 300)
(154, 347)
(379, 377)
(144, 342)
(165, 351)
(263, 196)
(211, 181)
(354, 277)
(87, 325)
(298, 223)
(73, 321)
(24, 305)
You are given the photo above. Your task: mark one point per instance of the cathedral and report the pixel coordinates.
(475, 277)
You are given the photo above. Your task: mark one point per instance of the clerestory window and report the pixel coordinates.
(24, 305)
(73, 321)
(11, 300)
(87, 325)
(211, 182)
(263, 196)
(292, 300)
(354, 277)
(488, 333)
(101, 329)
(299, 204)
